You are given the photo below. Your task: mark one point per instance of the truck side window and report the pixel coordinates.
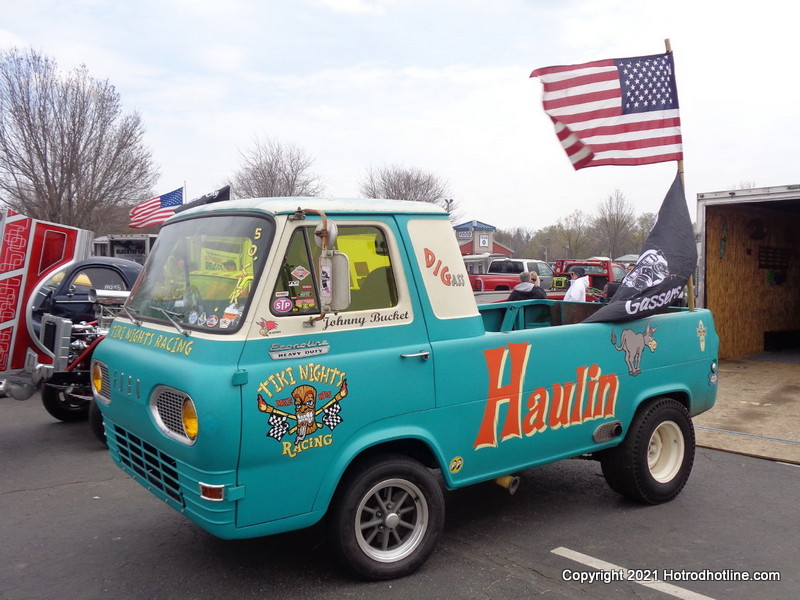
(296, 290)
(372, 279)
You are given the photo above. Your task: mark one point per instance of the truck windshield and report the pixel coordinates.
(201, 272)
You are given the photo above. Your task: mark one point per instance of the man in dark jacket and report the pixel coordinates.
(528, 288)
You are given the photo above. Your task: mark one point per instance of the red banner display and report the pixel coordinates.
(30, 252)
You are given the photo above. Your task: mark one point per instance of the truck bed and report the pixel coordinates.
(529, 314)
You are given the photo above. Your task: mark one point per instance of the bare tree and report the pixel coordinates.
(399, 183)
(615, 223)
(67, 152)
(575, 235)
(644, 224)
(271, 169)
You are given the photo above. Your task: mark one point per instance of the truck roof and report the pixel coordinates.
(289, 205)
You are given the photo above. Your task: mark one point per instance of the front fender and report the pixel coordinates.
(370, 440)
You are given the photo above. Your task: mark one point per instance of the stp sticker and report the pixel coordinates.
(282, 305)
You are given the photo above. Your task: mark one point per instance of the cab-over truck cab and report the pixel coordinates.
(281, 360)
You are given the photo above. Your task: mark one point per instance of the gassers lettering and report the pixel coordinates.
(662, 299)
(591, 396)
(170, 343)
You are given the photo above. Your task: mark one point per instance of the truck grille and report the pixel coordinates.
(105, 395)
(148, 462)
(166, 403)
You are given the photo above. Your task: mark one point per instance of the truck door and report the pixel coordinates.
(315, 386)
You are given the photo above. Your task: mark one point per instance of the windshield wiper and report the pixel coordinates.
(131, 315)
(169, 316)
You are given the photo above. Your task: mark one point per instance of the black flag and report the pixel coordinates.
(220, 195)
(667, 261)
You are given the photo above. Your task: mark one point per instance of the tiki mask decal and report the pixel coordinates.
(305, 405)
(306, 410)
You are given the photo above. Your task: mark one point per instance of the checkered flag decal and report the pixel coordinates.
(332, 418)
(278, 426)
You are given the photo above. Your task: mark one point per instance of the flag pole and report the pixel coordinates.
(690, 283)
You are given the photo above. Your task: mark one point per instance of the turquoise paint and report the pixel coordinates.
(500, 392)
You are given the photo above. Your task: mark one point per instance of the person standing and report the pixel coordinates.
(528, 288)
(578, 286)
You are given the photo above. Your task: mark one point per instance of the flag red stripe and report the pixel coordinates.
(603, 113)
(634, 161)
(629, 127)
(638, 143)
(581, 99)
(578, 80)
(564, 68)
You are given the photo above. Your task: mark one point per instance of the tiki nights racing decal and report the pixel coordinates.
(297, 413)
(590, 396)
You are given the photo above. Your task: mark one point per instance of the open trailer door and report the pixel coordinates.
(30, 252)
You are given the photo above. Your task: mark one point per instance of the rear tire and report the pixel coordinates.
(64, 407)
(655, 459)
(386, 518)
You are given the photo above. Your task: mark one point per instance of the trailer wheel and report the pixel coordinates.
(655, 459)
(386, 517)
(63, 406)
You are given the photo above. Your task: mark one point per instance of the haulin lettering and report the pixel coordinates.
(591, 396)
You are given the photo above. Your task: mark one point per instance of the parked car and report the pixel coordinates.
(503, 274)
(67, 293)
(71, 295)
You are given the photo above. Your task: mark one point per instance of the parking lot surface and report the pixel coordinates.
(74, 526)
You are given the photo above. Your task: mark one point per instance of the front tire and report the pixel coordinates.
(96, 423)
(63, 406)
(386, 518)
(654, 461)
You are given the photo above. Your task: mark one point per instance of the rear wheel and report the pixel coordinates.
(386, 518)
(655, 459)
(63, 406)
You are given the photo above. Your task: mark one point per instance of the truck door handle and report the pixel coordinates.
(424, 355)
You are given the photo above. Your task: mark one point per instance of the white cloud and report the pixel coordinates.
(354, 7)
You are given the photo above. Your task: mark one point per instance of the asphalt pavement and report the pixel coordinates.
(74, 526)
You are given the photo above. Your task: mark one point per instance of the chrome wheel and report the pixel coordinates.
(391, 520)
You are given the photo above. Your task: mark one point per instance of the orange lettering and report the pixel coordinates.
(499, 394)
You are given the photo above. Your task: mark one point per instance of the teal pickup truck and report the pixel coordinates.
(284, 360)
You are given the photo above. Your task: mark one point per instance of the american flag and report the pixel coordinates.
(156, 210)
(621, 111)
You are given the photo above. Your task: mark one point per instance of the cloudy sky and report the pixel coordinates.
(439, 85)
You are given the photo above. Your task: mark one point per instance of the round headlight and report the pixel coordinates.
(189, 418)
(97, 378)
